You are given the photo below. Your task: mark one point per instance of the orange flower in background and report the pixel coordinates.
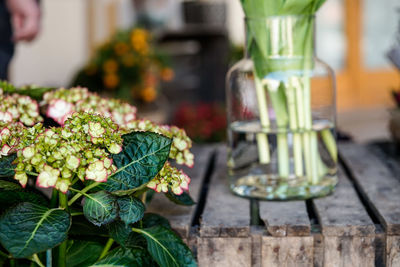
(150, 79)
(167, 74)
(110, 66)
(128, 60)
(148, 94)
(139, 40)
(111, 81)
(121, 48)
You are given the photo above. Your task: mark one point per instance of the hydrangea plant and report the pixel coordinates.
(97, 165)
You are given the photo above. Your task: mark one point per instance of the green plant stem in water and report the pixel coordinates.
(330, 143)
(106, 248)
(81, 192)
(262, 138)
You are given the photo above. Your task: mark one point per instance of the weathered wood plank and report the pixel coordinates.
(376, 183)
(287, 251)
(285, 218)
(224, 252)
(181, 217)
(342, 213)
(224, 214)
(349, 251)
(392, 251)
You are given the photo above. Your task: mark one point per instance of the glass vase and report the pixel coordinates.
(281, 114)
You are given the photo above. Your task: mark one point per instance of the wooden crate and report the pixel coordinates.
(358, 225)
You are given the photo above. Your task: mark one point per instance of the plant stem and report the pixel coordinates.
(54, 198)
(81, 192)
(49, 258)
(106, 248)
(13, 263)
(144, 195)
(262, 138)
(76, 213)
(62, 249)
(36, 260)
(330, 143)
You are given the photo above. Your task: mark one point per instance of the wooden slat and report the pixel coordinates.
(285, 218)
(349, 232)
(224, 252)
(392, 251)
(349, 251)
(376, 183)
(296, 251)
(224, 214)
(342, 213)
(181, 217)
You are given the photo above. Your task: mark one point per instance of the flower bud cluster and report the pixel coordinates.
(181, 144)
(19, 108)
(170, 178)
(10, 136)
(64, 102)
(79, 149)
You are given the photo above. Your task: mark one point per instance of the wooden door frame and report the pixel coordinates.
(357, 86)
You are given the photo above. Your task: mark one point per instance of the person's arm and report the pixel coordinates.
(25, 17)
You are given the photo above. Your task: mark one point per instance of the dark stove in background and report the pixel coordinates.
(199, 54)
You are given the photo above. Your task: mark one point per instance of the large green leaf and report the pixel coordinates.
(100, 208)
(121, 257)
(12, 197)
(7, 185)
(29, 228)
(6, 166)
(152, 219)
(124, 236)
(182, 199)
(142, 157)
(83, 253)
(131, 209)
(166, 248)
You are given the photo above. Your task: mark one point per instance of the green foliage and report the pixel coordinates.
(121, 257)
(131, 209)
(6, 165)
(35, 92)
(29, 228)
(100, 208)
(142, 157)
(6, 185)
(12, 197)
(167, 249)
(184, 199)
(82, 253)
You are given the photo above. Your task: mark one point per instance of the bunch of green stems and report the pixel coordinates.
(282, 51)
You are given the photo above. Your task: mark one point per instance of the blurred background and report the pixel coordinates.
(181, 77)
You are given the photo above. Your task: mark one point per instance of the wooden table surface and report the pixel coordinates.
(358, 225)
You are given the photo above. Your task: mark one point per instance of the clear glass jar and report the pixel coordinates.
(281, 114)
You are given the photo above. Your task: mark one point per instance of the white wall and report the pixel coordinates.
(60, 48)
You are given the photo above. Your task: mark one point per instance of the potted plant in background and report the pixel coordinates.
(97, 164)
(128, 66)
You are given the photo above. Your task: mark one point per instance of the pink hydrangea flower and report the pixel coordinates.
(97, 172)
(48, 177)
(59, 110)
